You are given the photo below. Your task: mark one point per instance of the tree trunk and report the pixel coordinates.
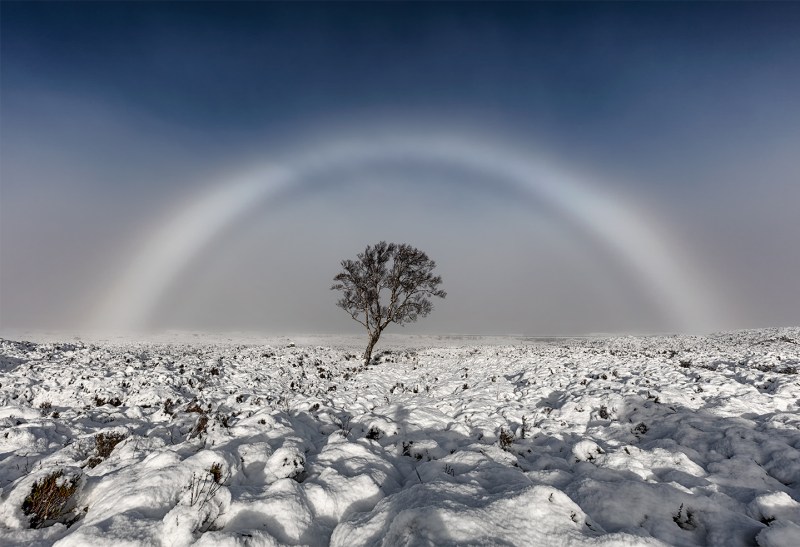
(373, 339)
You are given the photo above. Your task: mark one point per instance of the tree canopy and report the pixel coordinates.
(387, 283)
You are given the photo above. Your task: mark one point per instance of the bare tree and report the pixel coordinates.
(387, 283)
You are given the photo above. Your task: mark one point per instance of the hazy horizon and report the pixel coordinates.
(572, 168)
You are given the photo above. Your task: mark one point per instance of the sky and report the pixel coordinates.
(572, 168)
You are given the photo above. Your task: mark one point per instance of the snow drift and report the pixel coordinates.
(620, 441)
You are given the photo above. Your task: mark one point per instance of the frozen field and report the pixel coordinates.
(618, 441)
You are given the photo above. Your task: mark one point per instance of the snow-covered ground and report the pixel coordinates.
(618, 441)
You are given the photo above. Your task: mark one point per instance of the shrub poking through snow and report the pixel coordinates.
(204, 499)
(585, 451)
(203, 488)
(199, 427)
(505, 439)
(49, 499)
(685, 519)
(194, 407)
(344, 425)
(106, 442)
(216, 472)
(526, 427)
(114, 401)
(225, 419)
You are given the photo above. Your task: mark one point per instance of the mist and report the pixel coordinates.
(119, 119)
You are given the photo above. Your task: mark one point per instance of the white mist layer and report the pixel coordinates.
(626, 232)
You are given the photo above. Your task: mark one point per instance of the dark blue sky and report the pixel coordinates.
(574, 69)
(108, 107)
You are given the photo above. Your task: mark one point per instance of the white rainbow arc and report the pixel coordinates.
(620, 226)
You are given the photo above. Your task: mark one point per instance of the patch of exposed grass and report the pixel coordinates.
(105, 442)
(49, 499)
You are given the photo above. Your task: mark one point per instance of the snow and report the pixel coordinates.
(676, 440)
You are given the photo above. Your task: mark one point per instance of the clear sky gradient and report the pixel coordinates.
(117, 117)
